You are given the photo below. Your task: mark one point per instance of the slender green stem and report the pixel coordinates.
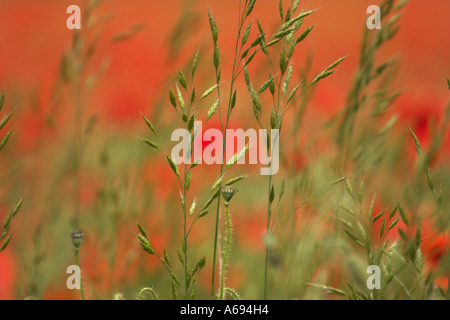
(226, 251)
(186, 277)
(150, 290)
(233, 79)
(269, 216)
(77, 262)
(77, 145)
(185, 238)
(216, 236)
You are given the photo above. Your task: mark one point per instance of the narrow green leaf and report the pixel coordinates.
(419, 260)
(339, 180)
(280, 9)
(234, 180)
(354, 238)
(194, 64)
(289, 23)
(150, 143)
(233, 100)
(180, 255)
(191, 122)
(327, 72)
(287, 79)
(250, 58)
(250, 7)
(188, 180)
(335, 64)
(5, 243)
(145, 245)
(347, 209)
(12, 213)
(2, 99)
(393, 211)
(213, 26)
(393, 224)
(265, 85)
(361, 192)
(5, 139)
(349, 187)
(5, 120)
(213, 109)
(173, 166)
(403, 234)
(237, 156)
(17, 207)
(174, 292)
(293, 92)
(180, 98)
(246, 34)
(193, 95)
(4, 232)
(304, 35)
(149, 124)
(273, 119)
(247, 78)
(260, 28)
(208, 92)
(166, 257)
(378, 216)
(403, 214)
(330, 290)
(280, 196)
(172, 98)
(244, 54)
(295, 5)
(383, 225)
(429, 180)
(182, 201)
(283, 61)
(193, 207)
(216, 184)
(372, 205)
(258, 40)
(322, 76)
(203, 213)
(287, 16)
(346, 223)
(141, 230)
(216, 56)
(210, 200)
(196, 162)
(199, 265)
(272, 194)
(182, 80)
(416, 141)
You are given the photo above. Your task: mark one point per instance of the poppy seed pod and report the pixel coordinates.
(77, 238)
(228, 192)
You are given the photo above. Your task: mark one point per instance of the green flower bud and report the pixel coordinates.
(228, 192)
(77, 238)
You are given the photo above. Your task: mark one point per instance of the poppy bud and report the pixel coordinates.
(228, 192)
(77, 238)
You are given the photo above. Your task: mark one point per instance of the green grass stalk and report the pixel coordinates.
(226, 251)
(234, 75)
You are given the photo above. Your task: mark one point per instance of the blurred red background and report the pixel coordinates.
(33, 37)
